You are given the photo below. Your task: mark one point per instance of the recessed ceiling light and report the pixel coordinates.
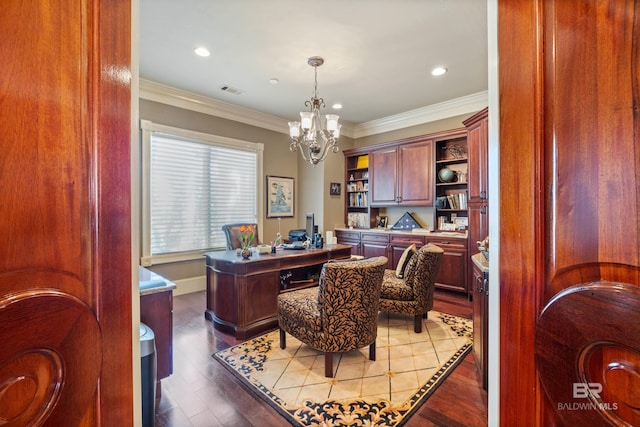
(274, 81)
(438, 71)
(201, 51)
(336, 106)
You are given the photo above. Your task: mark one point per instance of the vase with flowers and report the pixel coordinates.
(245, 235)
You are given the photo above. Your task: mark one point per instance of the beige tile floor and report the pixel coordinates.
(404, 362)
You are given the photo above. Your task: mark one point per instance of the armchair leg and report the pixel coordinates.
(283, 339)
(372, 350)
(328, 365)
(417, 323)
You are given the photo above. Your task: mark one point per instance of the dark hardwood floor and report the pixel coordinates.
(203, 393)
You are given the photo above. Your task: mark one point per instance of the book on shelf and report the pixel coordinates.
(358, 200)
(457, 201)
(363, 162)
(358, 220)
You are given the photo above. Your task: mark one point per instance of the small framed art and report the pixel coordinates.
(280, 196)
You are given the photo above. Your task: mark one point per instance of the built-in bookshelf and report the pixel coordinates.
(451, 183)
(359, 213)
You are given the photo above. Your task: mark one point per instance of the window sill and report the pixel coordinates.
(148, 261)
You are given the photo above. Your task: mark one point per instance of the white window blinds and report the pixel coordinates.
(196, 186)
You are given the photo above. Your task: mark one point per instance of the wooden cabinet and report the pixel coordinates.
(401, 173)
(375, 244)
(451, 179)
(351, 238)
(453, 270)
(384, 176)
(358, 210)
(480, 290)
(478, 208)
(415, 174)
(156, 311)
(399, 242)
(477, 143)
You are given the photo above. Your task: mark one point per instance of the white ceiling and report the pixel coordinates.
(378, 53)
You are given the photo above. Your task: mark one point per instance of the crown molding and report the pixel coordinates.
(442, 110)
(158, 92)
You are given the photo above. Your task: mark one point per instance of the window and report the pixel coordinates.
(193, 184)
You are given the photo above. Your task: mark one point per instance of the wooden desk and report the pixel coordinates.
(242, 294)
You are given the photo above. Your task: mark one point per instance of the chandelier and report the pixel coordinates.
(314, 141)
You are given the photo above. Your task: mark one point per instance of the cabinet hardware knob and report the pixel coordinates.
(483, 210)
(483, 195)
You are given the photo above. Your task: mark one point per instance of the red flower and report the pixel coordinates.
(245, 235)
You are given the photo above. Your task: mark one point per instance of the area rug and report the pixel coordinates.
(385, 392)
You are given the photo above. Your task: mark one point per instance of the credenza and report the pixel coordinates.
(242, 294)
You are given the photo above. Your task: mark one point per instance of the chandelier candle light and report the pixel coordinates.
(314, 141)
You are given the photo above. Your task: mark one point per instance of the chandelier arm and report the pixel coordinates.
(325, 150)
(302, 149)
(331, 142)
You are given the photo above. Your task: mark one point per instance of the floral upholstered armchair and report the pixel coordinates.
(413, 293)
(341, 314)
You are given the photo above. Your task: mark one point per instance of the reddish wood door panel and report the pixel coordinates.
(569, 174)
(383, 177)
(478, 157)
(65, 213)
(416, 174)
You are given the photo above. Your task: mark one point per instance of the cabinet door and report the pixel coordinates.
(453, 270)
(375, 244)
(383, 176)
(355, 245)
(351, 238)
(479, 321)
(477, 154)
(415, 182)
(478, 225)
(399, 243)
(370, 249)
(156, 311)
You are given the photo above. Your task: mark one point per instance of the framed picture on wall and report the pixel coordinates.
(280, 197)
(334, 189)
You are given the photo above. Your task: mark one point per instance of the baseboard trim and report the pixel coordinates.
(190, 285)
